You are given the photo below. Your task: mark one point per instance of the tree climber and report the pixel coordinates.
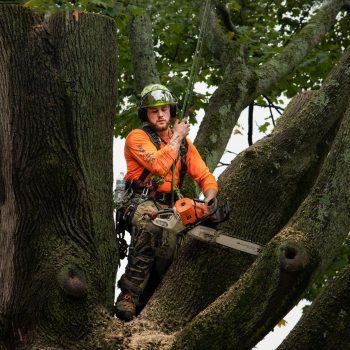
(150, 153)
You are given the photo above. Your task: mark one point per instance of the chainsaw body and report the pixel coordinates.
(169, 220)
(188, 213)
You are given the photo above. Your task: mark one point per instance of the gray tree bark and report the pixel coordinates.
(265, 186)
(57, 99)
(142, 50)
(241, 84)
(325, 324)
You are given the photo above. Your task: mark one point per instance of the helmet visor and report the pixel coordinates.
(157, 98)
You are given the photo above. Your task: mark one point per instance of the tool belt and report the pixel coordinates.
(140, 188)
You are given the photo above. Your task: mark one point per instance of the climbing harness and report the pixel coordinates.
(156, 140)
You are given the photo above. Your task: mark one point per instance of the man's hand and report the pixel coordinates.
(181, 129)
(209, 195)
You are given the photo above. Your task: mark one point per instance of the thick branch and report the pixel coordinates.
(264, 185)
(142, 51)
(223, 111)
(240, 86)
(222, 48)
(310, 240)
(311, 35)
(325, 324)
(323, 216)
(243, 314)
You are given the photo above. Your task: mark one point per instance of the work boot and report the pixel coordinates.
(125, 307)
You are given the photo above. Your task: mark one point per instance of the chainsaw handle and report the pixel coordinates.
(212, 204)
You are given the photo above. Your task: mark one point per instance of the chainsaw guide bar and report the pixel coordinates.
(210, 235)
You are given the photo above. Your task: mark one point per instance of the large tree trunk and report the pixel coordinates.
(57, 101)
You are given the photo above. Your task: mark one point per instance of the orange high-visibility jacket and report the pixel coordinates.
(141, 153)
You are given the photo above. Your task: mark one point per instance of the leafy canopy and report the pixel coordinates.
(262, 29)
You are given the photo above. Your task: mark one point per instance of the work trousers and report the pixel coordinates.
(151, 248)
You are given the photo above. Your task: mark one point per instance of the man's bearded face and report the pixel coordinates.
(159, 117)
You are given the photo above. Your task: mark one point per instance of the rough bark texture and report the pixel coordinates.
(142, 51)
(325, 324)
(265, 185)
(57, 100)
(312, 237)
(241, 84)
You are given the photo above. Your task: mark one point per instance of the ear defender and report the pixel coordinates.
(173, 110)
(142, 112)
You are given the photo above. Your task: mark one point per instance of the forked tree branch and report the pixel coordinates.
(306, 243)
(311, 35)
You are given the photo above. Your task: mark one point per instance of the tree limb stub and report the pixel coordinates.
(293, 256)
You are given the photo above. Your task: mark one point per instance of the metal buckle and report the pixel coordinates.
(145, 192)
(159, 196)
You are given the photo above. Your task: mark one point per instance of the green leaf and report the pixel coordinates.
(263, 127)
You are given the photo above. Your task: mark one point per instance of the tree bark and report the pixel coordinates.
(241, 84)
(269, 181)
(142, 50)
(58, 252)
(243, 315)
(57, 98)
(324, 324)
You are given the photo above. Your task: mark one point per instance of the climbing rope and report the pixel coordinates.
(195, 62)
(191, 81)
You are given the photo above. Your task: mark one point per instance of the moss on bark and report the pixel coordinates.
(59, 102)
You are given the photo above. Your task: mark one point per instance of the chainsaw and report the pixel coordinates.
(198, 219)
(188, 213)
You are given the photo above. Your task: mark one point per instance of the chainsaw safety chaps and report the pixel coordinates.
(150, 248)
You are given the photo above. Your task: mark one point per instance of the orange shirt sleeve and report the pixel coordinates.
(140, 148)
(198, 170)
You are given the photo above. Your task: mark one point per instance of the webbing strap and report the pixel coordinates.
(155, 139)
(183, 169)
